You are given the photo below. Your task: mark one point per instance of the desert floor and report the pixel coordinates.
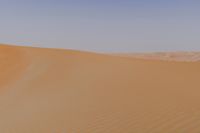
(66, 91)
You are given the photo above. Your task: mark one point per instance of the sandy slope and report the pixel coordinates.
(64, 91)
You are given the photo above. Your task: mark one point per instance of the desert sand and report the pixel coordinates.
(66, 91)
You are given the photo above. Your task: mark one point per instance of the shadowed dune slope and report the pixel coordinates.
(65, 91)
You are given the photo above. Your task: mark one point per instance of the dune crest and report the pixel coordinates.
(52, 90)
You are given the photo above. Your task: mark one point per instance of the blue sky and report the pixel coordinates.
(102, 25)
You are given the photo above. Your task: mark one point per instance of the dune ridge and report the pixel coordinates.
(52, 90)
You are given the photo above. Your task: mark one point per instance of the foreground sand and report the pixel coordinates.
(65, 91)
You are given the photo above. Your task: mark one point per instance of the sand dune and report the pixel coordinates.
(66, 91)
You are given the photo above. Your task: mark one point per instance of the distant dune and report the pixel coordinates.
(168, 56)
(66, 91)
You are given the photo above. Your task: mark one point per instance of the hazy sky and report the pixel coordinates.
(102, 25)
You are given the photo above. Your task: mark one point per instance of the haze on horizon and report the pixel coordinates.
(104, 26)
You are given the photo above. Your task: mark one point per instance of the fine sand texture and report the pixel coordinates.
(65, 91)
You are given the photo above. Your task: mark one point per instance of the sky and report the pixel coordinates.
(102, 25)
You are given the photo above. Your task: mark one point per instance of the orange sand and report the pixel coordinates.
(65, 91)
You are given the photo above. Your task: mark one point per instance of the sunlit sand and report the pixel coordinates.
(65, 91)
